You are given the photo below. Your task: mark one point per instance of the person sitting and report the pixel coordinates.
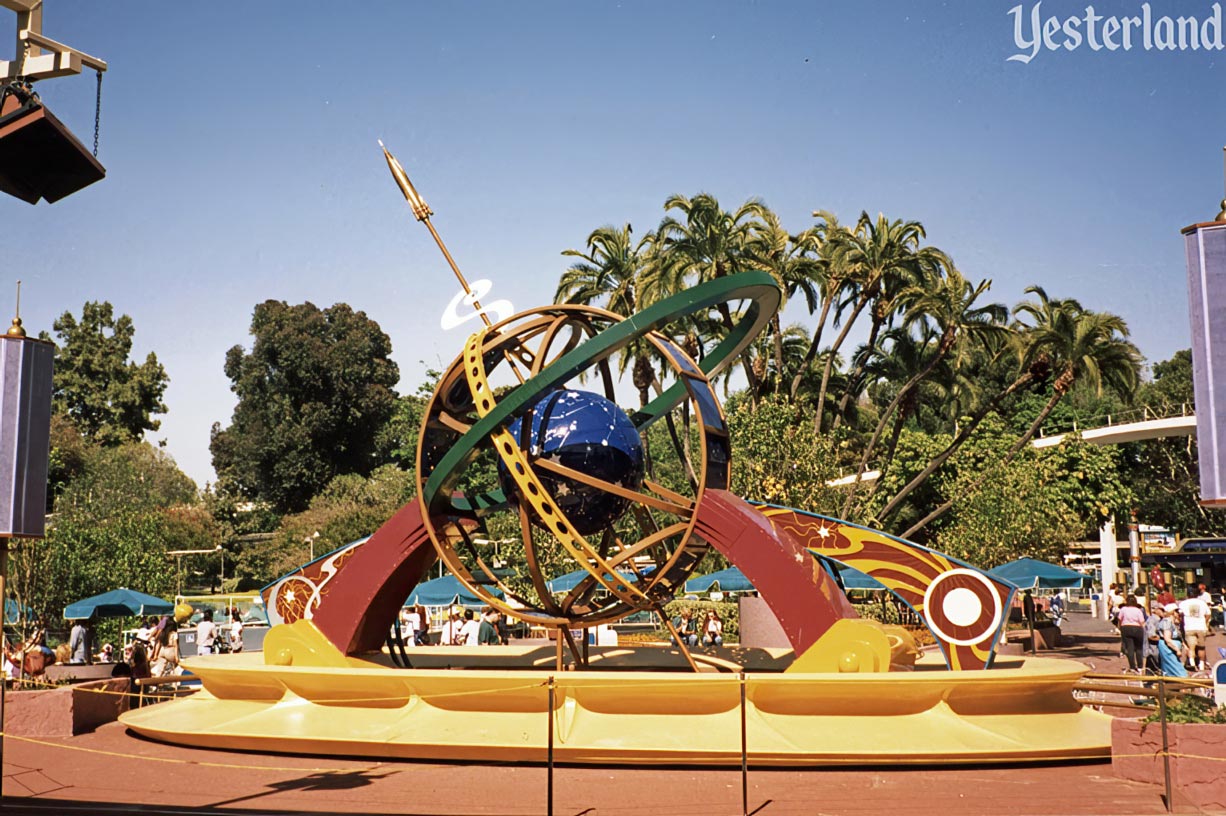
(713, 630)
(686, 628)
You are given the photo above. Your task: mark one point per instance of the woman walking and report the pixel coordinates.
(1132, 633)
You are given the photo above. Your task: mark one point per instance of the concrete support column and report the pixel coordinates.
(1106, 541)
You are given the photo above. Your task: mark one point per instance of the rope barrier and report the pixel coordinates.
(173, 761)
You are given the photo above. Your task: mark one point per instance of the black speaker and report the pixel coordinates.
(39, 156)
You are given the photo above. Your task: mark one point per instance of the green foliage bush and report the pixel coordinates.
(1190, 708)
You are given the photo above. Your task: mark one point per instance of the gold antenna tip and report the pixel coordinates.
(16, 329)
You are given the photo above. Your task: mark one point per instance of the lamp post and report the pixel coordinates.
(178, 554)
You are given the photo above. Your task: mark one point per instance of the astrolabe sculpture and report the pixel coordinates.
(566, 466)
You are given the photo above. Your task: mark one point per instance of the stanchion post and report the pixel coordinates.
(549, 750)
(1166, 753)
(744, 753)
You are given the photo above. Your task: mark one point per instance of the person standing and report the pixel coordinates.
(165, 655)
(1132, 633)
(410, 621)
(421, 635)
(452, 629)
(487, 634)
(1152, 665)
(1057, 607)
(206, 634)
(236, 632)
(79, 646)
(1170, 643)
(1195, 628)
(470, 631)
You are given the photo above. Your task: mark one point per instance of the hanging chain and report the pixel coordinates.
(97, 113)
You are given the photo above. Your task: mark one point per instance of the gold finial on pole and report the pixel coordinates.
(422, 212)
(16, 329)
(1221, 216)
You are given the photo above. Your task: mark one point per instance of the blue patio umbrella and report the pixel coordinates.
(567, 582)
(1031, 573)
(15, 614)
(445, 591)
(855, 579)
(728, 580)
(118, 603)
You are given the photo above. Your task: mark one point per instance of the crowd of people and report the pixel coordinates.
(463, 627)
(1160, 635)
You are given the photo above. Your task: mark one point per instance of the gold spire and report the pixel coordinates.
(421, 210)
(16, 330)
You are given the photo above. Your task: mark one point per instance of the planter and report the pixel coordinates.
(1198, 757)
(65, 711)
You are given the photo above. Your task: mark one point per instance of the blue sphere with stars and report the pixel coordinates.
(587, 433)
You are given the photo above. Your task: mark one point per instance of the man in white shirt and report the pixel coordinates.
(1195, 627)
(470, 633)
(452, 629)
(206, 634)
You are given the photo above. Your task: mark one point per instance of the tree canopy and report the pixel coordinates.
(313, 393)
(109, 398)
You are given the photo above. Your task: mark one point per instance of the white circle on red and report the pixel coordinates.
(997, 611)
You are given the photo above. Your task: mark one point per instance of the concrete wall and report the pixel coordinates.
(65, 711)
(759, 626)
(1196, 773)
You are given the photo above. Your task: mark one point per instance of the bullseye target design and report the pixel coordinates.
(962, 607)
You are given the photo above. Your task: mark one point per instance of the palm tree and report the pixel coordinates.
(608, 275)
(963, 432)
(709, 243)
(948, 310)
(881, 259)
(832, 280)
(791, 260)
(1082, 346)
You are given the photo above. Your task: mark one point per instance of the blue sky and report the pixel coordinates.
(240, 145)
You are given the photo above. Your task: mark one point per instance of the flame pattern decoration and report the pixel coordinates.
(963, 607)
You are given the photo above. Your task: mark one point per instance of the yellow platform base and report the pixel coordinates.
(1023, 711)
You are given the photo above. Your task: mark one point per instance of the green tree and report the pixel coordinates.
(774, 459)
(878, 258)
(112, 526)
(608, 275)
(108, 397)
(314, 393)
(948, 307)
(792, 261)
(1082, 346)
(707, 242)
